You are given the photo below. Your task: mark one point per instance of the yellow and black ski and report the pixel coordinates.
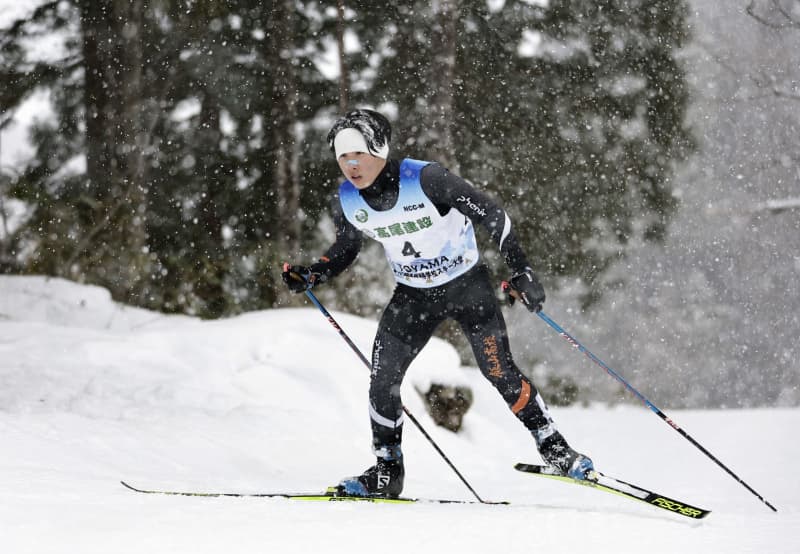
(609, 484)
(329, 496)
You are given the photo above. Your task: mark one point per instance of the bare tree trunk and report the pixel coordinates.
(344, 76)
(443, 42)
(116, 239)
(283, 117)
(131, 132)
(96, 37)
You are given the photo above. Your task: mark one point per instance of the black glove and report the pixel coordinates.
(300, 278)
(528, 289)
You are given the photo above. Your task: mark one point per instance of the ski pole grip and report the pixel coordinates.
(508, 289)
(287, 268)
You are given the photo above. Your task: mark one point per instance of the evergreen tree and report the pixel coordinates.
(48, 185)
(184, 131)
(184, 117)
(578, 139)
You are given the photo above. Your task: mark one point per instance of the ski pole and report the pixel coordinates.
(574, 342)
(410, 416)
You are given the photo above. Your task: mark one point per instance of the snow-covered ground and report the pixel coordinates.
(92, 392)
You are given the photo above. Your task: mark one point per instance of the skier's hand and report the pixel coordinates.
(299, 278)
(526, 287)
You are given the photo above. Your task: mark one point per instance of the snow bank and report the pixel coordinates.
(92, 392)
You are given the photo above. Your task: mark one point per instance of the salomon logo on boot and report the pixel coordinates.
(384, 479)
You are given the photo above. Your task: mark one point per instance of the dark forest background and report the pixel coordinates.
(198, 131)
(185, 159)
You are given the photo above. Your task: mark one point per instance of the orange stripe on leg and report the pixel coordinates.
(524, 396)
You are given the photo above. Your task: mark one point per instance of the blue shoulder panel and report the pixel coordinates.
(350, 200)
(410, 171)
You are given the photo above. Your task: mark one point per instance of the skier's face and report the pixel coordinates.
(360, 168)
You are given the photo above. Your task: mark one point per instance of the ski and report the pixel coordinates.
(329, 496)
(621, 488)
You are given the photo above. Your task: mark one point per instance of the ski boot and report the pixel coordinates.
(556, 452)
(384, 479)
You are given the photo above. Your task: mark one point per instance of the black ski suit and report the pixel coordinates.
(413, 313)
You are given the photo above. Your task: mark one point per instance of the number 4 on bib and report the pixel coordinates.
(408, 250)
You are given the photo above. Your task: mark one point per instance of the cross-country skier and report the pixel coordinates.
(424, 216)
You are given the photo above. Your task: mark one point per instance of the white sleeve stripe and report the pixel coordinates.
(506, 230)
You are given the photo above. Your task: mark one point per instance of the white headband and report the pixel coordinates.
(351, 140)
